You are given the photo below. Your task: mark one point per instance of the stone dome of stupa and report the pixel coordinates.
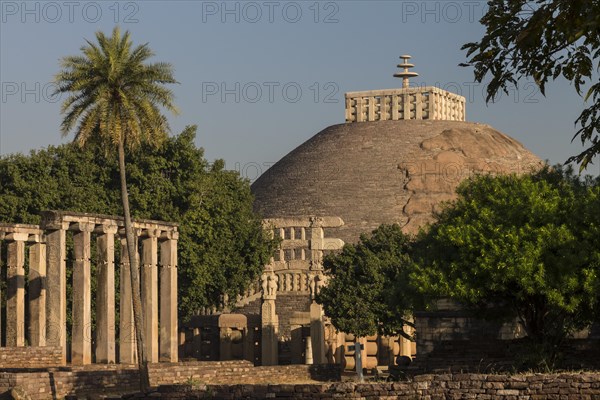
(400, 154)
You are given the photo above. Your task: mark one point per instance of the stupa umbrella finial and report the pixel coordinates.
(405, 74)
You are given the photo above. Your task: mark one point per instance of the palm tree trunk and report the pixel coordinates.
(138, 317)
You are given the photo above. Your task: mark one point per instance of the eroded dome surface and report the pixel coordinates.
(384, 172)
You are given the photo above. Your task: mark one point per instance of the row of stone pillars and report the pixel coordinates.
(17, 236)
(47, 286)
(160, 346)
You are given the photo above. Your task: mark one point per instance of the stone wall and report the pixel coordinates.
(451, 339)
(287, 305)
(486, 356)
(30, 357)
(450, 322)
(118, 379)
(458, 386)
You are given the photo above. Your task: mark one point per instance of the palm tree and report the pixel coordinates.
(116, 97)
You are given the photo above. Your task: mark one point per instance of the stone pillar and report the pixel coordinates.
(168, 298)
(385, 353)
(339, 349)
(317, 333)
(405, 344)
(56, 290)
(269, 321)
(2, 235)
(249, 344)
(15, 293)
(105, 295)
(149, 293)
(81, 347)
(296, 343)
(126, 323)
(316, 244)
(308, 353)
(225, 344)
(270, 333)
(37, 295)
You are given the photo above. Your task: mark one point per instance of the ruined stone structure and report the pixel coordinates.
(17, 238)
(384, 172)
(429, 103)
(47, 287)
(278, 321)
(397, 159)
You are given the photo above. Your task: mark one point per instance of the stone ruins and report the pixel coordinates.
(45, 249)
(398, 157)
(426, 103)
(400, 154)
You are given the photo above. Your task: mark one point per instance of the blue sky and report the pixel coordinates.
(259, 78)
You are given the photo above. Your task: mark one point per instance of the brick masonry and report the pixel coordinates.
(585, 386)
(30, 357)
(451, 339)
(484, 356)
(115, 379)
(383, 172)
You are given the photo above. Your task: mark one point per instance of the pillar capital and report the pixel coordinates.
(106, 229)
(169, 235)
(137, 232)
(150, 233)
(17, 237)
(82, 227)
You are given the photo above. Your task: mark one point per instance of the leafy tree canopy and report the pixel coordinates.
(359, 297)
(222, 245)
(544, 40)
(526, 247)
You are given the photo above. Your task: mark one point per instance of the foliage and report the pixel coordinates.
(544, 40)
(114, 94)
(222, 246)
(359, 297)
(115, 98)
(525, 247)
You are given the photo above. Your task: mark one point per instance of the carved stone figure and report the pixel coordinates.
(273, 280)
(265, 283)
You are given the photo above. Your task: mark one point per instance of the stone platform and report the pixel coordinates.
(97, 380)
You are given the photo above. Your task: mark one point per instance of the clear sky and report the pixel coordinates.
(259, 78)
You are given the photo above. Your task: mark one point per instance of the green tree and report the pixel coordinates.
(222, 245)
(544, 40)
(359, 296)
(525, 247)
(115, 95)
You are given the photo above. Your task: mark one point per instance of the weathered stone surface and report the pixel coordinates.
(105, 300)
(384, 172)
(18, 393)
(168, 300)
(15, 293)
(458, 386)
(81, 347)
(110, 381)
